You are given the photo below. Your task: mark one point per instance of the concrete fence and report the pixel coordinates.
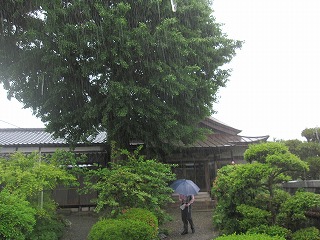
(308, 185)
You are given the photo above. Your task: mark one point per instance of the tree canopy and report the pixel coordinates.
(133, 68)
(310, 153)
(311, 134)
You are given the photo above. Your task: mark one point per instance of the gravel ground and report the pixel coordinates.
(203, 226)
(81, 223)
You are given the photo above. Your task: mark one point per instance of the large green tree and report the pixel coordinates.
(134, 68)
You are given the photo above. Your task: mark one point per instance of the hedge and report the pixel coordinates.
(120, 229)
(310, 233)
(249, 237)
(143, 215)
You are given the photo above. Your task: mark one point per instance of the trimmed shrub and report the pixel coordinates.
(252, 217)
(119, 229)
(311, 233)
(271, 231)
(249, 237)
(292, 212)
(143, 215)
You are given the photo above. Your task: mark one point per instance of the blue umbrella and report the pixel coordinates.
(185, 187)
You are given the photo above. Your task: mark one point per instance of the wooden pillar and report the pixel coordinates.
(207, 175)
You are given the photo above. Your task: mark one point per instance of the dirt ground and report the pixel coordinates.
(81, 223)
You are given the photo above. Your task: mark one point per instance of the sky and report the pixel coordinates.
(275, 83)
(274, 86)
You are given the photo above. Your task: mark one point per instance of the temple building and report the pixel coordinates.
(198, 161)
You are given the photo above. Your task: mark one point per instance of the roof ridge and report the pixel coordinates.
(20, 129)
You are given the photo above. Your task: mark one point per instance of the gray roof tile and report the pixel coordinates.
(35, 136)
(224, 136)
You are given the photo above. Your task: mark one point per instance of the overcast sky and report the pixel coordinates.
(275, 84)
(274, 87)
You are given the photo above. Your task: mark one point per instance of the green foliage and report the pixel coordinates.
(314, 169)
(292, 212)
(249, 237)
(26, 180)
(27, 175)
(282, 164)
(133, 182)
(256, 184)
(142, 215)
(309, 152)
(259, 152)
(236, 185)
(252, 217)
(134, 69)
(117, 229)
(273, 231)
(303, 149)
(67, 160)
(311, 134)
(311, 233)
(47, 228)
(294, 146)
(277, 156)
(263, 200)
(17, 216)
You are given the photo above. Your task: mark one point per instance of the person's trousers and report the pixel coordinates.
(186, 217)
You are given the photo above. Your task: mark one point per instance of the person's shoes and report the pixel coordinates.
(184, 232)
(193, 231)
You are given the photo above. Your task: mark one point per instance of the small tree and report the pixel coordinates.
(25, 179)
(27, 175)
(252, 184)
(132, 182)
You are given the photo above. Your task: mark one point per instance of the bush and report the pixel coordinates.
(252, 217)
(271, 231)
(292, 212)
(263, 200)
(143, 215)
(311, 233)
(47, 228)
(119, 229)
(17, 216)
(249, 237)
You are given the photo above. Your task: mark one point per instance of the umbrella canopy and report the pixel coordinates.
(185, 187)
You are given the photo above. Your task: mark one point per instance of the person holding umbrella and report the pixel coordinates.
(186, 189)
(186, 215)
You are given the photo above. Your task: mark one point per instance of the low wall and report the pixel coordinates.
(308, 185)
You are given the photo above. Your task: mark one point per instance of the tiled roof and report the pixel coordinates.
(225, 140)
(34, 136)
(223, 136)
(218, 126)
